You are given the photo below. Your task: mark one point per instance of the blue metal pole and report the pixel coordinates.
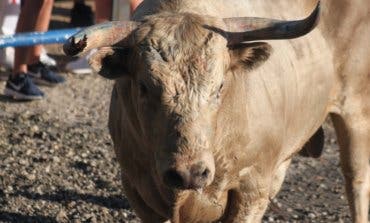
(35, 38)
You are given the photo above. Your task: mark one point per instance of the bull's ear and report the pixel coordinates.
(110, 62)
(249, 55)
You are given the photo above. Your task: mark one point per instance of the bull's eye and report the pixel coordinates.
(220, 90)
(143, 89)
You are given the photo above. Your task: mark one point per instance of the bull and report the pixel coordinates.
(205, 119)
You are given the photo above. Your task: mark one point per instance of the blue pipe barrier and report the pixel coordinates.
(35, 38)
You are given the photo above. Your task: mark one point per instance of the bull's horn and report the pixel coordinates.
(250, 29)
(105, 34)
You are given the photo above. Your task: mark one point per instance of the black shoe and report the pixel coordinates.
(81, 15)
(41, 74)
(21, 87)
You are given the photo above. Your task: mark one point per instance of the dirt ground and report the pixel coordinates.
(57, 163)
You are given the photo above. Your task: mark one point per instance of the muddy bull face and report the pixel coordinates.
(178, 66)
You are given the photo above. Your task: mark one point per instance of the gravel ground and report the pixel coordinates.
(57, 162)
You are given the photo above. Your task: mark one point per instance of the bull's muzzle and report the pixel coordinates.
(194, 177)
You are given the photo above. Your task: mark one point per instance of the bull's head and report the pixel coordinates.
(178, 64)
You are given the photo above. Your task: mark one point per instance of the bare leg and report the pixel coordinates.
(353, 132)
(42, 25)
(29, 22)
(103, 10)
(134, 4)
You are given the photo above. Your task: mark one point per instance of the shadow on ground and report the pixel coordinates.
(17, 218)
(65, 196)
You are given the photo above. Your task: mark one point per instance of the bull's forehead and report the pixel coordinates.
(189, 59)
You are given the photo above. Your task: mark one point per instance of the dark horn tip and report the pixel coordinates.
(71, 48)
(306, 25)
(315, 15)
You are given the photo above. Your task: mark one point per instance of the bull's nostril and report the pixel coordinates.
(197, 176)
(205, 173)
(174, 179)
(200, 171)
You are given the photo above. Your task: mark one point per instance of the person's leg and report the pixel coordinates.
(81, 14)
(41, 73)
(26, 23)
(103, 13)
(9, 13)
(134, 4)
(103, 10)
(20, 83)
(41, 25)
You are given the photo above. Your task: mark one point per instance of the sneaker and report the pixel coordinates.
(46, 59)
(81, 15)
(41, 74)
(21, 87)
(81, 65)
(7, 57)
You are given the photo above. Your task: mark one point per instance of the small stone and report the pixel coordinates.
(62, 216)
(23, 162)
(70, 153)
(311, 215)
(39, 190)
(93, 219)
(105, 210)
(35, 128)
(47, 169)
(9, 188)
(115, 214)
(31, 176)
(93, 163)
(56, 146)
(85, 135)
(71, 204)
(56, 159)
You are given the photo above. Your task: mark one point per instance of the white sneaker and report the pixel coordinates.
(46, 59)
(81, 65)
(7, 57)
